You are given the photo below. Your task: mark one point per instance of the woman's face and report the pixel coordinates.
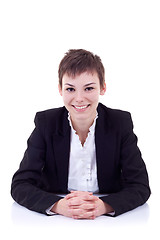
(81, 95)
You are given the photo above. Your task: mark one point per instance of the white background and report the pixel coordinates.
(34, 35)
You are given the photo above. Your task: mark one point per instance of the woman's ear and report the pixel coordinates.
(60, 89)
(103, 89)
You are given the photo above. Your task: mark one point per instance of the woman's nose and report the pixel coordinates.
(79, 96)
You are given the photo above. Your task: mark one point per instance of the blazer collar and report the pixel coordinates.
(61, 146)
(104, 141)
(103, 123)
(62, 124)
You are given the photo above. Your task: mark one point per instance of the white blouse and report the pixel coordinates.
(82, 163)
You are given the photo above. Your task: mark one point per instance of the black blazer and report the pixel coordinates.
(43, 171)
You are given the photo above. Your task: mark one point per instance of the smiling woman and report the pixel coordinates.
(81, 149)
(81, 95)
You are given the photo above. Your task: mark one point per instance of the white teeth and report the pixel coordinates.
(81, 107)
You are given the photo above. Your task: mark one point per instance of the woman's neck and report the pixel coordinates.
(82, 125)
(82, 129)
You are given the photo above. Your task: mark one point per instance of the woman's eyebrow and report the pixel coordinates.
(89, 84)
(69, 84)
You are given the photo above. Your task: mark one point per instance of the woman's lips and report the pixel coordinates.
(81, 107)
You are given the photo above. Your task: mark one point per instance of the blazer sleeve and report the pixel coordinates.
(135, 189)
(25, 187)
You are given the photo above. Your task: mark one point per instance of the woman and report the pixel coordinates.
(81, 149)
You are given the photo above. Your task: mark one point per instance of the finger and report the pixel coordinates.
(78, 193)
(84, 205)
(90, 198)
(89, 214)
(79, 200)
(76, 201)
(84, 202)
(83, 195)
(71, 195)
(84, 215)
(82, 192)
(76, 212)
(88, 206)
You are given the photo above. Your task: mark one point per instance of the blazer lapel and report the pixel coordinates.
(105, 144)
(61, 146)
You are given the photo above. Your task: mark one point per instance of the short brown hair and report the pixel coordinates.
(77, 61)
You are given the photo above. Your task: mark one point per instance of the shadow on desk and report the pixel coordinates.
(24, 217)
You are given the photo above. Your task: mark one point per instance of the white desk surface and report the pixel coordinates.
(140, 223)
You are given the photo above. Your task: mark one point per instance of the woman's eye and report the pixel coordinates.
(70, 89)
(89, 88)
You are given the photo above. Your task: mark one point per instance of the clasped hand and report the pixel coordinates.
(81, 205)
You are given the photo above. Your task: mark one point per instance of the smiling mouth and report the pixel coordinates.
(81, 107)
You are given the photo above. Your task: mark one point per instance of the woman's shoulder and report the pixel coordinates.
(113, 113)
(115, 118)
(51, 113)
(52, 118)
